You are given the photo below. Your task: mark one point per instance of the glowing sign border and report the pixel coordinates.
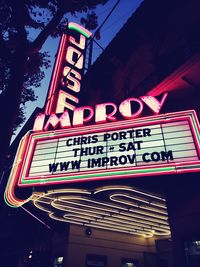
(27, 145)
(58, 63)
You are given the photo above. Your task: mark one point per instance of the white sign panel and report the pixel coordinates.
(139, 146)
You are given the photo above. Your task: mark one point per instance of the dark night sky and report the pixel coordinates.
(117, 19)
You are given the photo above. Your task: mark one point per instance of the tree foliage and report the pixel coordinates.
(22, 62)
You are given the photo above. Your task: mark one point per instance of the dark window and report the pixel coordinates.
(96, 261)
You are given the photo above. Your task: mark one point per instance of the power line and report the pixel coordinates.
(92, 39)
(117, 20)
(101, 47)
(107, 17)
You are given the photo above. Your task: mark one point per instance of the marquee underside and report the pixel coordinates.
(121, 209)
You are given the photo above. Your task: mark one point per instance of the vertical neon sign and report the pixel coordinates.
(68, 70)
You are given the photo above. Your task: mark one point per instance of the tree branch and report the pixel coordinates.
(36, 45)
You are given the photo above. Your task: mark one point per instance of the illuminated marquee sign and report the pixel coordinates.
(115, 208)
(63, 149)
(68, 70)
(100, 113)
(161, 144)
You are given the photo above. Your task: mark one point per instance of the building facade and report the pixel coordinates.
(156, 52)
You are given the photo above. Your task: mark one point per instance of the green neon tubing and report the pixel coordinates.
(80, 29)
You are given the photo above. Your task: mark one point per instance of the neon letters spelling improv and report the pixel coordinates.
(100, 113)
